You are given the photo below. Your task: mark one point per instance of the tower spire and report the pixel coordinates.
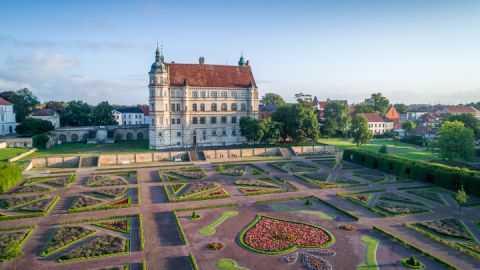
(241, 62)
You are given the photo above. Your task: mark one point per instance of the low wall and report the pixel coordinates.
(314, 149)
(56, 162)
(238, 153)
(22, 155)
(118, 159)
(3, 145)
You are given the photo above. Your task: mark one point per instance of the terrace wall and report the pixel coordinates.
(239, 153)
(56, 162)
(314, 149)
(118, 159)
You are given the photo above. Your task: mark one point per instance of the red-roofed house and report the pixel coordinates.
(48, 115)
(199, 104)
(460, 110)
(7, 118)
(394, 116)
(377, 124)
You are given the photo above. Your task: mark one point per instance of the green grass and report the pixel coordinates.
(310, 212)
(7, 153)
(398, 149)
(210, 229)
(370, 254)
(84, 149)
(228, 264)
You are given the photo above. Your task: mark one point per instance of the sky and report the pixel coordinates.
(420, 51)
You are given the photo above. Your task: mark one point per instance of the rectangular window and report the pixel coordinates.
(194, 120)
(173, 121)
(202, 94)
(178, 121)
(202, 120)
(224, 132)
(178, 107)
(213, 120)
(234, 119)
(195, 94)
(179, 134)
(234, 94)
(234, 133)
(223, 120)
(214, 94)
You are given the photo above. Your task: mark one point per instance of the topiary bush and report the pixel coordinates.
(413, 263)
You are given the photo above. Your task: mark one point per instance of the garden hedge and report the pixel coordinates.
(444, 176)
(193, 261)
(10, 175)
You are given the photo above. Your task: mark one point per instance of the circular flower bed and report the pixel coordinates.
(215, 246)
(312, 262)
(269, 235)
(347, 227)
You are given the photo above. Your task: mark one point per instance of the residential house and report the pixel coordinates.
(129, 116)
(460, 110)
(378, 124)
(49, 115)
(7, 118)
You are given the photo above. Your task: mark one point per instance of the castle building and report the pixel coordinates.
(199, 104)
(7, 118)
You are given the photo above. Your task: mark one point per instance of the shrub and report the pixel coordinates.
(383, 149)
(445, 176)
(10, 175)
(40, 141)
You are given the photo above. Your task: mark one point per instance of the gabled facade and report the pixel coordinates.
(49, 115)
(377, 124)
(199, 104)
(129, 116)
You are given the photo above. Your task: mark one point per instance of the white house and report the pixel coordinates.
(48, 115)
(129, 116)
(377, 124)
(7, 118)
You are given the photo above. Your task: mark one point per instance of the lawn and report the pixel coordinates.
(84, 149)
(370, 254)
(398, 149)
(210, 229)
(7, 153)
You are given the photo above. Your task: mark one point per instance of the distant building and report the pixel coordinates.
(414, 114)
(320, 107)
(146, 114)
(49, 115)
(377, 124)
(129, 116)
(393, 116)
(7, 118)
(266, 111)
(460, 110)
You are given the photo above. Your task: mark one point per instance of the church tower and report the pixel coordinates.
(159, 132)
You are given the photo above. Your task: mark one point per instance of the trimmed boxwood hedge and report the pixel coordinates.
(10, 175)
(445, 176)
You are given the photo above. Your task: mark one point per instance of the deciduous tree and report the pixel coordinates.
(272, 98)
(337, 118)
(270, 130)
(77, 113)
(32, 126)
(250, 129)
(409, 126)
(359, 129)
(23, 103)
(378, 102)
(469, 121)
(455, 141)
(103, 114)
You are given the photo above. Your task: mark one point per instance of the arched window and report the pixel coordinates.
(224, 107)
(62, 138)
(140, 136)
(194, 107)
(202, 107)
(214, 107)
(74, 137)
(234, 106)
(244, 107)
(129, 136)
(173, 107)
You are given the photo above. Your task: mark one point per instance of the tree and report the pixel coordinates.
(469, 121)
(363, 107)
(250, 129)
(378, 103)
(77, 113)
(270, 130)
(455, 141)
(304, 99)
(461, 198)
(359, 129)
(40, 141)
(409, 126)
(57, 106)
(7, 95)
(298, 122)
(32, 126)
(337, 118)
(23, 103)
(272, 98)
(102, 114)
(401, 108)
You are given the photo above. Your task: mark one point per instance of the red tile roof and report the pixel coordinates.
(145, 109)
(392, 113)
(4, 102)
(202, 75)
(44, 112)
(462, 109)
(374, 117)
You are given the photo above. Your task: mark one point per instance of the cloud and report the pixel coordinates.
(48, 76)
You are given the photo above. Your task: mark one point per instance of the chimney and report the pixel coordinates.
(201, 60)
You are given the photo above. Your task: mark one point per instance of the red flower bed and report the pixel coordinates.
(125, 201)
(363, 198)
(272, 235)
(116, 225)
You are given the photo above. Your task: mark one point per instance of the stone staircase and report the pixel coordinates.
(197, 156)
(287, 152)
(89, 162)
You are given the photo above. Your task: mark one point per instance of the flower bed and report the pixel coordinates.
(262, 182)
(192, 173)
(396, 209)
(322, 252)
(449, 227)
(111, 192)
(312, 262)
(195, 188)
(66, 236)
(326, 162)
(295, 166)
(344, 181)
(115, 225)
(215, 194)
(215, 246)
(42, 205)
(32, 188)
(175, 188)
(20, 201)
(473, 247)
(289, 259)
(12, 240)
(171, 178)
(370, 175)
(123, 202)
(231, 169)
(257, 191)
(83, 201)
(269, 235)
(105, 245)
(114, 181)
(60, 182)
(317, 176)
(351, 166)
(390, 196)
(431, 195)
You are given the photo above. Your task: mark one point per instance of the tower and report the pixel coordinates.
(159, 132)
